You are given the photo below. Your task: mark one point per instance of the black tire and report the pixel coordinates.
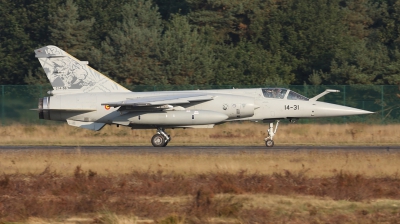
(158, 141)
(269, 143)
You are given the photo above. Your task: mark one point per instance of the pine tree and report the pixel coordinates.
(186, 56)
(106, 14)
(307, 34)
(14, 42)
(130, 52)
(248, 63)
(68, 32)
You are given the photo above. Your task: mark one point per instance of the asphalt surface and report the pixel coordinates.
(198, 149)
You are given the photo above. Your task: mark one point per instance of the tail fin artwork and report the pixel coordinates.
(70, 75)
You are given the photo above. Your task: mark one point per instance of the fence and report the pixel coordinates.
(16, 101)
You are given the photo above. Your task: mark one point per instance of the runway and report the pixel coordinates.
(198, 149)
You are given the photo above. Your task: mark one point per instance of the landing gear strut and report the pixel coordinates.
(269, 142)
(160, 139)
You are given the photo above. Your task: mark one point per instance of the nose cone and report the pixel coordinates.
(333, 110)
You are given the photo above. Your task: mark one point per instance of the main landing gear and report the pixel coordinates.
(160, 139)
(271, 132)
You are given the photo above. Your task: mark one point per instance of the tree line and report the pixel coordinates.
(208, 42)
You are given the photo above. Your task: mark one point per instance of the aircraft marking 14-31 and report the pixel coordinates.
(85, 98)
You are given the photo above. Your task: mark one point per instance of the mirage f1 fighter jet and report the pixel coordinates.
(87, 99)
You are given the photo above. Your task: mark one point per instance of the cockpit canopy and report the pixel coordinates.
(280, 93)
(277, 93)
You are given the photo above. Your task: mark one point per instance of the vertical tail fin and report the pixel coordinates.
(68, 74)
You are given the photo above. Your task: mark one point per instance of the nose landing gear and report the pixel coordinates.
(160, 139)
(269, 142)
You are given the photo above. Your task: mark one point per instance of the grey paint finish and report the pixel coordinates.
(85, 98)
(171, 118)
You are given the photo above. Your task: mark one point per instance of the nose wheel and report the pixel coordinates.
(269, 142)
(160, 139)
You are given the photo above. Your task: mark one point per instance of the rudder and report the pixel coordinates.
(65, 72)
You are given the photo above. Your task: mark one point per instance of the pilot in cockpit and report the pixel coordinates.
(267, 93)
(276, 93)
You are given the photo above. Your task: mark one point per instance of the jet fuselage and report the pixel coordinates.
(85, 98)
(227, 105)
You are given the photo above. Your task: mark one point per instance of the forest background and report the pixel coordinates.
(200, 42)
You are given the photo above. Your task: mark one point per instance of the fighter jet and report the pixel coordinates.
(85, 98)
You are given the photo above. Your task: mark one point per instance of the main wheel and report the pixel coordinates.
(269, 143)
(158, 140)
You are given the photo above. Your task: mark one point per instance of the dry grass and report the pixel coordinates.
(219, 197)
(227, 134)
(318, 163)
(274, 187)
(264, 208)
(262, 187)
